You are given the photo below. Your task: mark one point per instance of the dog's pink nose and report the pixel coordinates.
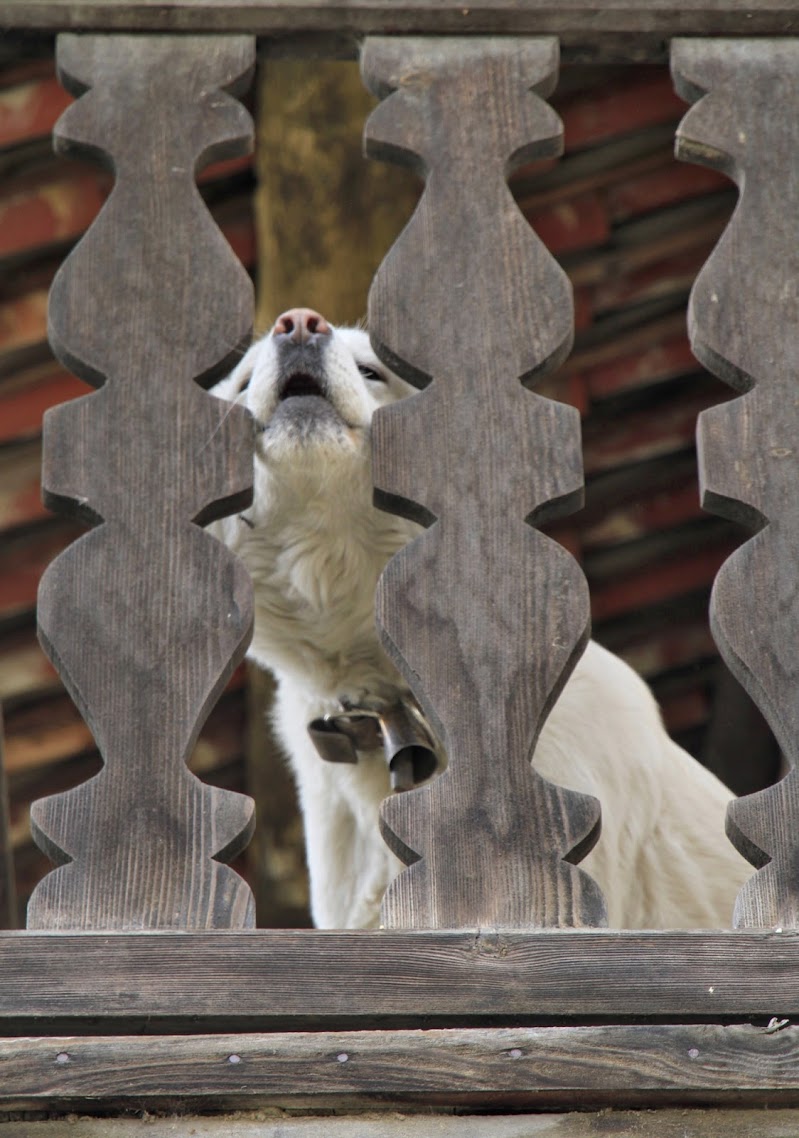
(299, 324)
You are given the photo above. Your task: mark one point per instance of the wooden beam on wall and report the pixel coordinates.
(730, 1123)
(540, 1068)
(632, 30)
(326, 216)
(260, 979)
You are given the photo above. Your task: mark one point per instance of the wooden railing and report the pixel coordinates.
(140, 926)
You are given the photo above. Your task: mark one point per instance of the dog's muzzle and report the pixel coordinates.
(400, 728)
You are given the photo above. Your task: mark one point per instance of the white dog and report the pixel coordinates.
(315, 546)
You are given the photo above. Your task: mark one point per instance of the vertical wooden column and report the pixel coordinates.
(146, 615)
(744, 326)
(483, 614)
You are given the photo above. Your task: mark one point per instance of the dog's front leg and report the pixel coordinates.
(349, 864)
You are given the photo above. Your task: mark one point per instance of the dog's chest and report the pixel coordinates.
(314, 604)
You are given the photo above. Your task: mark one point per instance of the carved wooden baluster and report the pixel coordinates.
(483, 615)
(744, 326)
(146, 615)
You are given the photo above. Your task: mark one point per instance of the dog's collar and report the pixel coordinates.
(399, 727)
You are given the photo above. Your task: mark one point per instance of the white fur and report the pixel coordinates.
(315, 551)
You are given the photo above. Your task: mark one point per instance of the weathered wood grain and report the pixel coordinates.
(696, 1123)
(325, 217)
(470, 299)
(232, 981)
(579, 21)
(743, 321)
(506, 1067)
(146, 616)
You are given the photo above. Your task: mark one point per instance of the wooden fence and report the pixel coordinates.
(141, 928)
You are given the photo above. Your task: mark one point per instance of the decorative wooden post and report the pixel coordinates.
(483, 615)
(146, 616)
(744, 326)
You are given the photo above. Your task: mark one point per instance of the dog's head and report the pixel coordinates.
(311, 386)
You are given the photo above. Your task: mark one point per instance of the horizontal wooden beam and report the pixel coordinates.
(737, 1122)
(515, 1067)
(631, 29)
(275, 978)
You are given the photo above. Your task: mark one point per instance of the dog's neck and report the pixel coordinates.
(315, 547)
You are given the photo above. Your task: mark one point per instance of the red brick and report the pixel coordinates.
(658, 583)
(36, 210)
(13, 74)
(242, 238)
(49, 742)
(30, 110)
(658, 511)
(24, 668)
(565, 533)
(44, 208)
(583, 308)
(569, 389)
(666, 277)
(650, 365)
(21, 409)
(532, 170)
(642, 98)
(23, 564)
(646, 435)
(23, 321)
(667, 186)
(225, 169)
(20, 488)
(673, 648)
(576, 224)
(685, 710)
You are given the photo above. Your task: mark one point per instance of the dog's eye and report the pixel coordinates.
(371, 373)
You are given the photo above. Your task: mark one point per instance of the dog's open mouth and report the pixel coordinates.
(304, 407)
(300, 385)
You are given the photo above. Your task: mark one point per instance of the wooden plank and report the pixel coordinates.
(577, 21)
(147, 616)
(459, 610)
(696, 1123)
(743, 316)
(532, 1068)
(309, 139)
(276, 978)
